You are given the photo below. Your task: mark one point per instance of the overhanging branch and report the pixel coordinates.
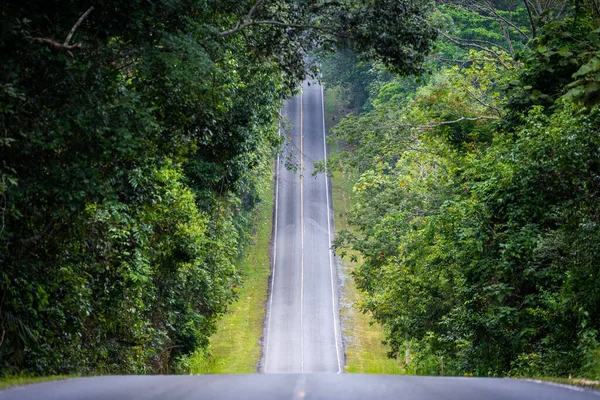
(250, 21)
(464, 43)
(246, 24)
(483, 117)
(66, 46)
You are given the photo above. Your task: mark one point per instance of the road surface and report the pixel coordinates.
(293, 386)
(302, 332)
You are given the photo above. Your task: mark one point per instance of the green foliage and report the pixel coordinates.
(479, 27)
(477, 212)
(344, 67)
(23, 379)
(560, 50)
(130, 170)
(586, 88)
(377, 40)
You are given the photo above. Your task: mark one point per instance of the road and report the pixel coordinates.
(302, 332)
(293, 386)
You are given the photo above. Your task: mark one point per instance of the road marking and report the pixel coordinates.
(301, 245)
(564, 386)
(337, 347)
(274, 256)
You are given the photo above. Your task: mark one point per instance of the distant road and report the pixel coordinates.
(293, 386)
(302, 332)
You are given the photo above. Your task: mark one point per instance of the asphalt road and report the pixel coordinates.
(293, 386)
(302, 332)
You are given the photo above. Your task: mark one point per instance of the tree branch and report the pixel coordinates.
(596, 8)
(490, 7)
(474, 45)
(508, 22)
(508, 40)
(238, 27)
(74, 28)
(483, 42)
(66, 46)
(57, 45)
(533, 32)
(246, 24)
(483, 103)
(483, 117)
(457, 61)
(547, 4)
(247, 20)
(253, 9)
(564, 4)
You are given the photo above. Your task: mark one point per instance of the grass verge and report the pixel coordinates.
(236, 347)
(19, 380)
(365, 352)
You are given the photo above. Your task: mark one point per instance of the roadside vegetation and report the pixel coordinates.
(26, 380)
(586, 383)
(364, 349)
(363, 339)
(475, 223)
(236, 346)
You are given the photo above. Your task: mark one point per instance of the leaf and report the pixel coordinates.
(592, 66)
(565, 52)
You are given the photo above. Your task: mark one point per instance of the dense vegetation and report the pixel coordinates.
(135, 140)
(478, 191)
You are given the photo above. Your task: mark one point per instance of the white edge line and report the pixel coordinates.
(301, 245)
(274, 257)
(335, 326)
(564, 386)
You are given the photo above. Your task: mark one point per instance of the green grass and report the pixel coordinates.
(19, 380)
(236, 347)
(365, 352)
(332, 106)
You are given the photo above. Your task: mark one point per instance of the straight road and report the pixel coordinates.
(302, 332)
(294, 386)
